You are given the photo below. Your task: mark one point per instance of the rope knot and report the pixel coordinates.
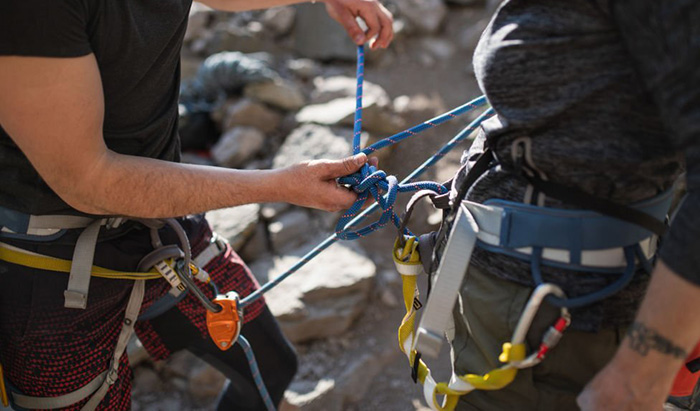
(372, 181)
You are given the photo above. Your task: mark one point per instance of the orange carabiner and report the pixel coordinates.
(225, 326)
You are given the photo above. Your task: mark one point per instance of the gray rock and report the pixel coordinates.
(227, 37)
(317, 36)
(330, 88)
(180, 364)
(235, 224)
(237, 146)
(469, 37)
(467, 2)
(341, 111)
(205, 383)
(279, 19)
(279, 93)
(425, 15)
(416, 106)
(270, 211)
(136, 352)
(199, 19)
(193, 158)
(324, 297)
(147, 380)
(311, 142)
(290, 230)
(257, 245)
(354, 382)
(303, 68)
(247, 112)
(313, 396)
(441, 49)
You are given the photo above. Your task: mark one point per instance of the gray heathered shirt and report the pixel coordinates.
(608, 91)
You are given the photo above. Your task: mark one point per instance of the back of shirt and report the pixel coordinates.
(137, 48)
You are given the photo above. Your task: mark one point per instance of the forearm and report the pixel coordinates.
(149, 188)
(244, 5)
(665, 331)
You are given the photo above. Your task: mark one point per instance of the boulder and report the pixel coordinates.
(312, 396)
(310, 142)
(440, 48)
(279, 20)
(257, 245)
(205, 383)
(317, 36)
(425, 15)
(235, 224)
(330, 88)
(467, 2)
(325, 296)
(225, 37)
(290, 229)
(246, 112)
(303, 68)
(237, 146)
(341, 111)
(278, 93)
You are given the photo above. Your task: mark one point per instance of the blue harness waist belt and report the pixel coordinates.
(577, 240)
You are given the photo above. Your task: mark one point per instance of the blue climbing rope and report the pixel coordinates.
(370, 181)
(248, 351)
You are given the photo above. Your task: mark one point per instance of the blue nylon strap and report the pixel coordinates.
(525, 225)
(607, 291)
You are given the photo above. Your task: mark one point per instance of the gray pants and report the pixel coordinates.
(485, 316)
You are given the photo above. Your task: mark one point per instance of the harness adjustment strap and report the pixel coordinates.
(448, 282)
(81, 268)
(132, 311)
(66, 400)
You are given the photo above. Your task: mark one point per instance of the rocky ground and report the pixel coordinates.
(291, 98)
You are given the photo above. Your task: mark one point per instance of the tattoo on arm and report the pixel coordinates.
(642, 339)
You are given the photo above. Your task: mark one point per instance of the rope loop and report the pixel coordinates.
(371, 181)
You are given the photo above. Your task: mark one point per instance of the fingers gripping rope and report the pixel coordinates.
(371, 181)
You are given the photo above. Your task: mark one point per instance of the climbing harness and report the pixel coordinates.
(497, 224)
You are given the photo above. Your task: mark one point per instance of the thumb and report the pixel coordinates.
(343, 16)
(346, 166)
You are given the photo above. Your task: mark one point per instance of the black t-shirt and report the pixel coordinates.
(137, 47)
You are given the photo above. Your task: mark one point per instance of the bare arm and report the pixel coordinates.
(53, 108)
(667, 328)
(378, 19)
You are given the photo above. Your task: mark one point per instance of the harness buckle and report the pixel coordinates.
(112, 375)
(75, 299)
(414, 368)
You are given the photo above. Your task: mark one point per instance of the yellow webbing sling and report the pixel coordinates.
(30, 259)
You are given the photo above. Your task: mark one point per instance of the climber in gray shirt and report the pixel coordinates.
(608, 94)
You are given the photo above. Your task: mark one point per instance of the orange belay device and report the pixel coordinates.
(225, 326)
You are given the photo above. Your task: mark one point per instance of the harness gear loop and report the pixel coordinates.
(225, 326)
